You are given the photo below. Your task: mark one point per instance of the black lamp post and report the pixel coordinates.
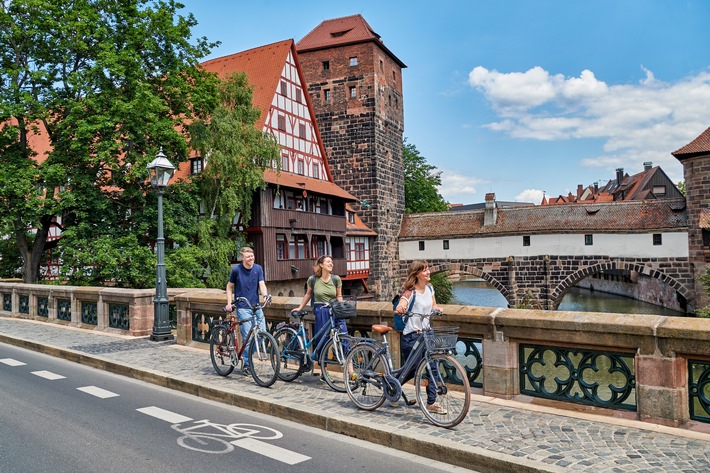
(160, 171)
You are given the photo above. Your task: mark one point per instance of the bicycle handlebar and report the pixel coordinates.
(433, 313)
(254, 308)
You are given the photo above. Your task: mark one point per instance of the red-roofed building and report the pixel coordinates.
(302, 213)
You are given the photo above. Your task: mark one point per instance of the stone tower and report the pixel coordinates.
(355, 86)
(695, 157)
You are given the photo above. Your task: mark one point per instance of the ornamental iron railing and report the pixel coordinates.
(43, 306)
(7, 302)
(89, 313)
(597, 378)
(118, 316)
(699, 390)
(24, 304)
(64, 309)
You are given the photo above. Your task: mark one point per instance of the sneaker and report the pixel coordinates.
(246, 371)
(394, 403)
(436, 408)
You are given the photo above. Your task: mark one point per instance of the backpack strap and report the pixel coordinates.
(311, 283)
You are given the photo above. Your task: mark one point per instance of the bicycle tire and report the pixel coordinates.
(204, 443)
(292, 353)
(264, 366)
(331, 368)
(220, 342)
(453, 390)
(364, 390)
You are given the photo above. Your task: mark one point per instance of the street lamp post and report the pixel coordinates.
(160, 173)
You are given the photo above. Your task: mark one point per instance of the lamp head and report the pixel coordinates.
(161, 170)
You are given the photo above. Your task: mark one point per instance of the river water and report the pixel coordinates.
(480, 293)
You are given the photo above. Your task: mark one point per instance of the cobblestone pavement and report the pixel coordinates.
(496, 436)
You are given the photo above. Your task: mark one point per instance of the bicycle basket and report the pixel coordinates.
(441, 338)
(343, 310)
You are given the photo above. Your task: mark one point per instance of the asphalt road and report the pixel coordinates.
(57, 416)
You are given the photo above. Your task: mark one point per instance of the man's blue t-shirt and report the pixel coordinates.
(246, 283)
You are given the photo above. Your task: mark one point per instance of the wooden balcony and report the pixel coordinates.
(283, 270)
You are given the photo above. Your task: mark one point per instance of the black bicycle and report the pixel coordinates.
(370, 379)
(298, 353)
(262, 353)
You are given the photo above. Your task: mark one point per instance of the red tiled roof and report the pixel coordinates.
(618, 216)
(358, 228)
(342, 31)
(296, 181)
(263, 66)
(699, 145)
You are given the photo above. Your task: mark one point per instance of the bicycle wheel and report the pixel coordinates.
(264, 362)
(331, 368)
(292, 352)
(364, 368)
(453, 393)
(221, 350)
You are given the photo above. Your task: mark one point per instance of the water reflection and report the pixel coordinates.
(480, 293)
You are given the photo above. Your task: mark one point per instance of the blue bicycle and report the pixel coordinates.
(298, 353)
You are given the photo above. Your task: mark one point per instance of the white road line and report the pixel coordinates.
(98, 392)
(12, 362)
(269, 450)
(162, 414)
(48, 375)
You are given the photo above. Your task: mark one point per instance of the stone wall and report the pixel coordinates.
(363, 141)
(697, 182)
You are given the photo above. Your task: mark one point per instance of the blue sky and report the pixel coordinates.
(520, 97)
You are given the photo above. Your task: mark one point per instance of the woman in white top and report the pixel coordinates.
(417, 286)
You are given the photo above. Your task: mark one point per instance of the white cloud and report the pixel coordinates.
(457, 188)
(636, 122)
(530, 195)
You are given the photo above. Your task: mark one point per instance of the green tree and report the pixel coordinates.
(420, 183)
(443, 288)
(105, 84)
(681, 187)
(237, 153)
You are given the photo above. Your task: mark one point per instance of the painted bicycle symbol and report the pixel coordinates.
(208, 437)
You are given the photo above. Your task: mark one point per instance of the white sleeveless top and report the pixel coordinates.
(423, 303)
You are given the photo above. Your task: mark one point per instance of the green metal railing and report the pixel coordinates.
(597, 378)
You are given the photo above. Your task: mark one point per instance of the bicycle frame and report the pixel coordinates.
(307, 344)
(235, 322)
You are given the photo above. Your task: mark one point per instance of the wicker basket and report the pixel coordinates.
(441, 338)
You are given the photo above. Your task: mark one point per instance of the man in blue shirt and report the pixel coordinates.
(246, 280)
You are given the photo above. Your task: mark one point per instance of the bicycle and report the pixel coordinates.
(298, 353)
(370, 378)
(263, 353)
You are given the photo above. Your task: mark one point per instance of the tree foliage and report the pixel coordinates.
(420, 183)
(104, 84)
(443, 288)
(236, 155)
(681, 187)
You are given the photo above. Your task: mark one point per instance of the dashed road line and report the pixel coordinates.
(162, 414)
(12, 362)
(97, 392)
(270, 450)
(48, 375)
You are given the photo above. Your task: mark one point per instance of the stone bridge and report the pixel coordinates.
(542, 281)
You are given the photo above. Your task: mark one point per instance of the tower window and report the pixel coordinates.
(326, 65)
(353, 61)
(326, 95)
(353, 92)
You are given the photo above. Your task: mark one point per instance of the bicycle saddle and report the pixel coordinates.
(381, 328)
(300, 314)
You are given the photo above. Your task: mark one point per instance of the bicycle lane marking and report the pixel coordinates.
(269, 450)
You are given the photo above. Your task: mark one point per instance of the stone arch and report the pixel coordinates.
(560, 289)
(470, 268)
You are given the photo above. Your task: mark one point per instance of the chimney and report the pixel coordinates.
(596, 187)
(490, 214)
(619, 175)
(647, 166)
(580, 189)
